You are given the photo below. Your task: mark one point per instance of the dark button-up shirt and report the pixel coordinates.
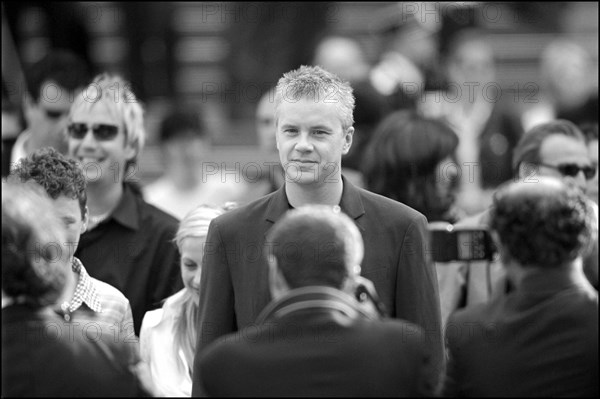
(133, 251)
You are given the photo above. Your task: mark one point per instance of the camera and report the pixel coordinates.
(450, 243)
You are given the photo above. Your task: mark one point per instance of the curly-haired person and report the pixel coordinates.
(87, 301)
(43, 355)
(541, 339)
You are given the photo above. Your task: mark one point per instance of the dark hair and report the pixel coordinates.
(313, 245)
(31, 234)
(57, 174)
(547, 225)
(528, 147)
(179, 124)
(400, 161)
(61, 66)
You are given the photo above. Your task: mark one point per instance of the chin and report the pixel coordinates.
(303, 177)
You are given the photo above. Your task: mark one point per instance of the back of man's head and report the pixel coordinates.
(32, 233)
(545, 224)
(62, 67)
(56, 173)
(528, 148)
(315, 245)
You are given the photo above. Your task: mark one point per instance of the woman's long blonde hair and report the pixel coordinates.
(194, 224)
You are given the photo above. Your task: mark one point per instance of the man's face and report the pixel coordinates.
(557, 150)
(103, 161)
(75, 223)
(47, 118)
(473, 62)
(311, 141)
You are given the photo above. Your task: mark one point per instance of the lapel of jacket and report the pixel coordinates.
(352, 204)
(278, 205)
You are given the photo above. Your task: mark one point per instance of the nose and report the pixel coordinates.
(303, 144)
(579, 180)
(196, 280)
(88, 140)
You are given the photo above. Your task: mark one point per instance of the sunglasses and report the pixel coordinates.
(101, 131)
(572, 169)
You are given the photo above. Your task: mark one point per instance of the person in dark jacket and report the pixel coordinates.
(541, 339)
(316, 337)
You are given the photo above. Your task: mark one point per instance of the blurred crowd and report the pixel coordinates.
(403, 229)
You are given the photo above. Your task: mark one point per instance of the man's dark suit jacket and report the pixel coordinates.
(234, 287)
(43, 355)
(539, 340)
(313, 342)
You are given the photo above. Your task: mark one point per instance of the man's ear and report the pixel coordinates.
(349, 135)
(29, 106)
(86, 219)
(503, 254)
(277, 283)
(131, 150)
(527, 171)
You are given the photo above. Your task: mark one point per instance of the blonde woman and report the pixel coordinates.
(168, 334)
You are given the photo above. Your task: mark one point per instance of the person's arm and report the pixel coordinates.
(216, 316)
(450, 386)
(417, 294)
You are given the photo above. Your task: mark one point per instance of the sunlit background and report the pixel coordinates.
(225, 55)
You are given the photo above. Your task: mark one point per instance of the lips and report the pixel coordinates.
(86, 160)
(303, 161)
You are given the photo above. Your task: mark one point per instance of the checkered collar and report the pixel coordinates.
(85, 290)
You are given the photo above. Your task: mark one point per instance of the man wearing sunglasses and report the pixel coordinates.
(559, 148)
(52, 84)
(128, 241)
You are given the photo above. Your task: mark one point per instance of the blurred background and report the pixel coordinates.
(223, 56)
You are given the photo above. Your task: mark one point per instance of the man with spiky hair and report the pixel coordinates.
(314, 118)
(128, 241)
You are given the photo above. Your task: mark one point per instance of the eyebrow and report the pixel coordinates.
(321, 127)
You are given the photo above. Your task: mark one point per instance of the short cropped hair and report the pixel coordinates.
(315, 82)
(61, 66)
(56, 173)
(314, 245)
(528, 148)
(182, 123)
(124, 106)
(547, 224)
(31, 235)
